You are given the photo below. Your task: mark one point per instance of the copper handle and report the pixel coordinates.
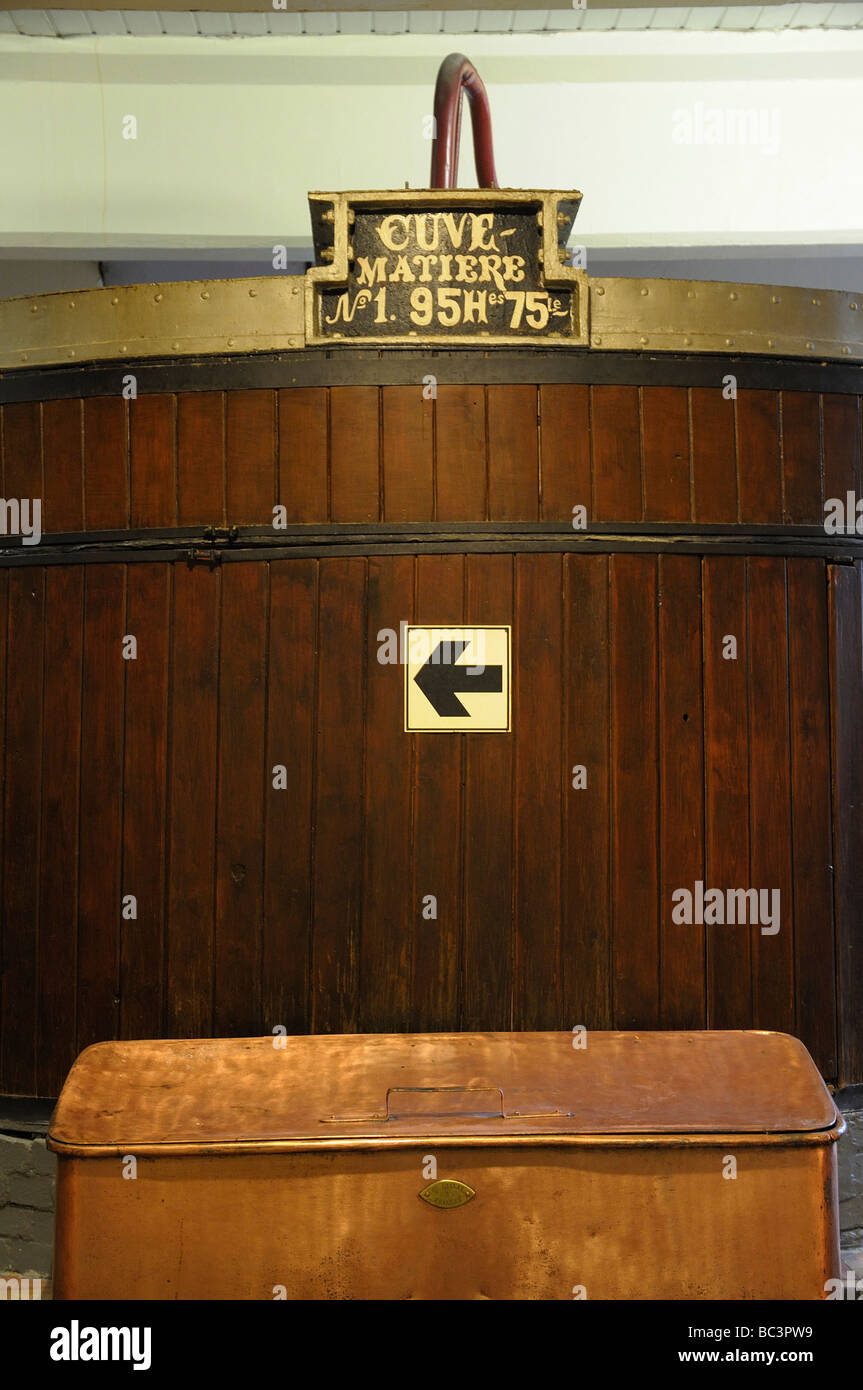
(457, 76)
(446, 1090)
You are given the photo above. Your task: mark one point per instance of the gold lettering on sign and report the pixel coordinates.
(387, 232)
(424, 228)
(371, 274)
(402, 271)
(346, 311)
(481, 228)
(446, 271)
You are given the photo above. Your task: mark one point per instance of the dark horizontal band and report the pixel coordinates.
(406, 367)
(198, 545)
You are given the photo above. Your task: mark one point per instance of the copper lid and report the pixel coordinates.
(325, 1088)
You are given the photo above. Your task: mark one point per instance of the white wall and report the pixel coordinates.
(232, 134)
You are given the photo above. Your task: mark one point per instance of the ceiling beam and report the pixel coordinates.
(381, 6)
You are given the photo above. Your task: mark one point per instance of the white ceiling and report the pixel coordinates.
(149, 23)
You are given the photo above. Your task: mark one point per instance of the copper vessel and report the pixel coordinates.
(685, 1165)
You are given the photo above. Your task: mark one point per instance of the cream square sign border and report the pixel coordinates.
(443, 724)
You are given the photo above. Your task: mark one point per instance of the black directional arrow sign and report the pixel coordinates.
(439, 681)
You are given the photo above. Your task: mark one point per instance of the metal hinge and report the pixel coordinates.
(224, 534)
(203, 557)
(219, 538)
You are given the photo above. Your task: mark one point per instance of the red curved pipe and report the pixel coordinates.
(456, 76)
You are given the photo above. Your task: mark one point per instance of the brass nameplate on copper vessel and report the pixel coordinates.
(447, 1193)
(445, 266)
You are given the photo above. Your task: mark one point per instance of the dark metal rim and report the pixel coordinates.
(408, 367)
(373, 532)
(213, 545)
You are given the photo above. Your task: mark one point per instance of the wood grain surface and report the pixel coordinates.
(246, 778)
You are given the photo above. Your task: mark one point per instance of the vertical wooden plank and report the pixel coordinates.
(586, 928)
(714, 456)
(665, 435)
(726, 804)
(290, 744)
(840, 421)
(683, 1003)
(101, 814)
(814, 930)
(58, 852)
(390, 913)
(354, 453)
(303, 454)
(21, 445)
(201, 458)
(564, 413)
(192, 788)
(408, 454)
(339, 755)
(22, 452)
(4, 685)
(489, 928)
(437, 825)
(106, 463)
(23, 811)
(539, 781)
(846, 694)
(513, 453)
(758, 464)
(240, 803)
(250, 451)
(460, 453)
(62, 466)
(635, 882)
(616, 435)
(801, 457)
(153, 452)
(770, 793)
(144, 807)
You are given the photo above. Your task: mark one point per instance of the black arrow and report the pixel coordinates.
(439, 680)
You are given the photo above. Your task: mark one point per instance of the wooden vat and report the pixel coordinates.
(452, 1166)
(427, 483)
